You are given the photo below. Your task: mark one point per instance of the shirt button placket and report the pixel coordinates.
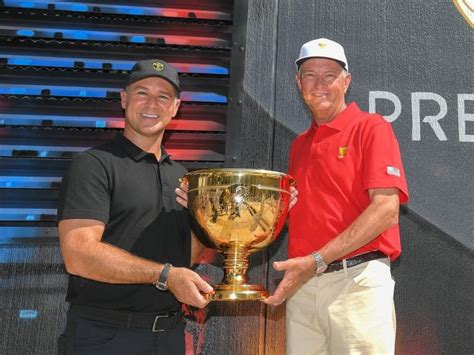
(156, 169)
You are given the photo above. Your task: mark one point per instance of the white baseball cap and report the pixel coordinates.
(322, 48)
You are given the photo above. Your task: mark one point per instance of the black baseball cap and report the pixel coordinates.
(154, 67)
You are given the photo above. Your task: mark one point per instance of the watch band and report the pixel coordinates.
(162, 282)
(321, 265)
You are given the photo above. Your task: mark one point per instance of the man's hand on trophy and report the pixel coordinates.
(294, 197)
(297, 272)
(188, 287)
(182, 193)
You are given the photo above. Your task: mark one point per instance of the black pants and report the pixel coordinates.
(91, 337)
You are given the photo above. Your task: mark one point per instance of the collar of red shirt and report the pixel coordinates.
(342, 120)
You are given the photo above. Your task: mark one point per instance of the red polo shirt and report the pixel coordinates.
(334, 166)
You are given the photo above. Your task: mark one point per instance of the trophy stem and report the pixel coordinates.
(236, 264)
(234, 287)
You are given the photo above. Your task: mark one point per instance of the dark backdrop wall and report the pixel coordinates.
(412, 62)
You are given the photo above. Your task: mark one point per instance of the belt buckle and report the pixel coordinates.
(153, 329)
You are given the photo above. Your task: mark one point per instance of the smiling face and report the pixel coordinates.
(149, 106)
(322, 83)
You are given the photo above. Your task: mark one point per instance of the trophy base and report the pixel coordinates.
(244, 292)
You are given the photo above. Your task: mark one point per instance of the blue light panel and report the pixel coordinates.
(79, 7)
(26, 33)
(55, 90)
(137, 39)
(203, 97)
(28, 182)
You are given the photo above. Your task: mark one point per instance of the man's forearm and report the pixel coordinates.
(103, 262)
(376, 218)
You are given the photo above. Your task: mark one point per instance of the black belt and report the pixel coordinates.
(152, 321)
(356, 260)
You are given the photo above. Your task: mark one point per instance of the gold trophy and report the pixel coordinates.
(237, 212)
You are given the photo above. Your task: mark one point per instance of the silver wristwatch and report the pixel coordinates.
(321, 265)
(162, 282)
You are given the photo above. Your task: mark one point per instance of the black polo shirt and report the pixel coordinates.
(133, 194)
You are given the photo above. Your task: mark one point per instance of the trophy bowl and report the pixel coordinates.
(237, 212)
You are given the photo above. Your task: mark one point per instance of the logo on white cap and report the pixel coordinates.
(322, 48)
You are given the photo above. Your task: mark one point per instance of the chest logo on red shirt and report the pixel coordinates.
(342, 152)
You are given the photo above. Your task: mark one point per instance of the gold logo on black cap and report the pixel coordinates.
(158, 66)
(322, 45)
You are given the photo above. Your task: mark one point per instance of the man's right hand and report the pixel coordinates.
(188, 287)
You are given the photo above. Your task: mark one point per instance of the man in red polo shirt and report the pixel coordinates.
(343, 231)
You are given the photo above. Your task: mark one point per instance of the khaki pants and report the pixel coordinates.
(344, 312)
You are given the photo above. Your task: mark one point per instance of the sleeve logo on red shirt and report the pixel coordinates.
(342, 152)
(391, 170)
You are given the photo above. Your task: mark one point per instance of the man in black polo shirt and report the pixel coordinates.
(125, 240)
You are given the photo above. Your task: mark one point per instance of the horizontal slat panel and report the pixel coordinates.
(46, 173)
(94, 83)
(100, 113)
(177, 124)
(121, 52)
(214, 10)
(96, 92)
(87, 63)
(32, 199)
(53, 142)
(27, 182)
(28, 232)
(24, 205)
(28, 214)
(99, 27)
(179, 153)
(43, 167)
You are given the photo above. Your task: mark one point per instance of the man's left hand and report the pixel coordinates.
(182, 194)
(297, 272)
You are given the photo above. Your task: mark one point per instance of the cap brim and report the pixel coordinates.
(134, 80)
(300, 61)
